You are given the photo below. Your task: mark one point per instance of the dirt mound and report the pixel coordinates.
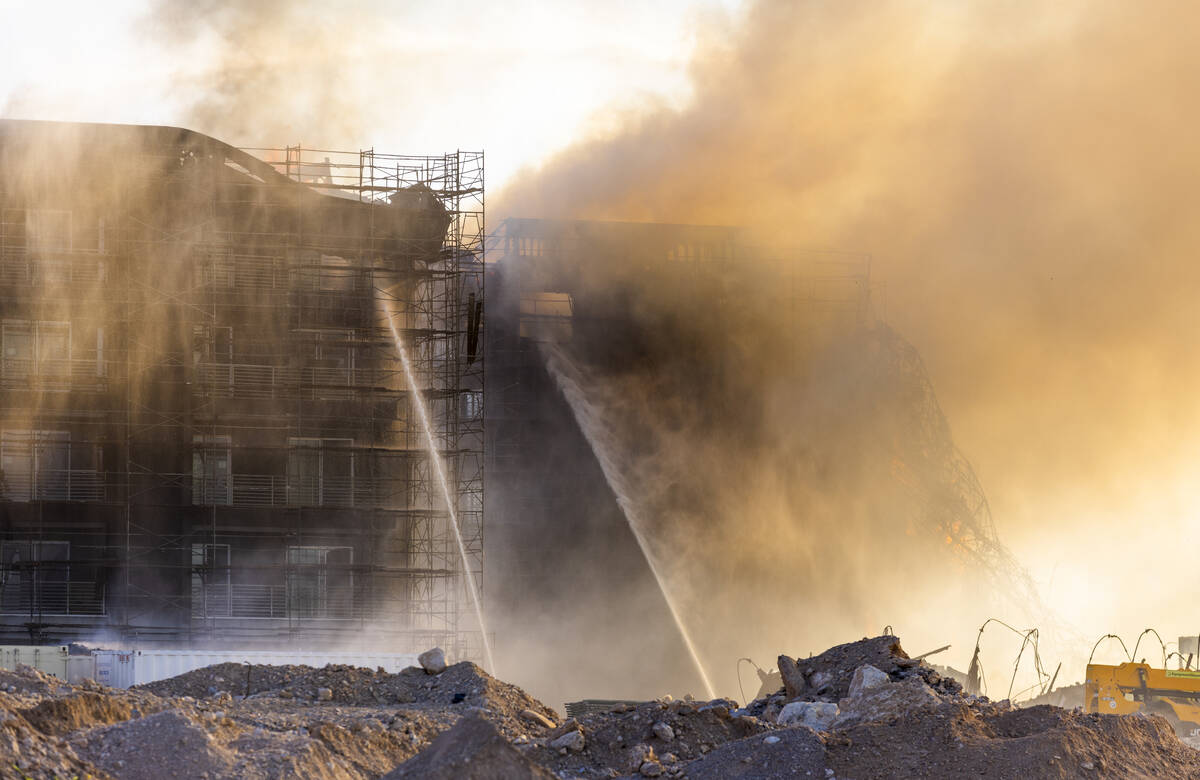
(26, 680)
(195, 742)
(135, 750)
(366, 721)
(994, 740)
(862, 710)
(667, 732)
(827, 677)
(275, 756)
(462, 686)
(908, 720)
(472, 750)
(232, 678)
(795, 752)
(62, 716)
(828, 674)
(30, 755)
(367, 746)
(30, 748)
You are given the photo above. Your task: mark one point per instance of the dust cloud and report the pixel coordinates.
(271, 70)
(1021, 174)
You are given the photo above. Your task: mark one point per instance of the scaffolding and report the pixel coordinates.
(207, 435)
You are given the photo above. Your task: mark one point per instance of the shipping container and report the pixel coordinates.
(124, 668)
(52, 659)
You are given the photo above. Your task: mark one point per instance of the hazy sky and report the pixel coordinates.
(517, 79)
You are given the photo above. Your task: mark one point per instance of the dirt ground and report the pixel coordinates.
(344, 723)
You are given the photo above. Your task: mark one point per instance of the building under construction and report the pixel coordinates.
(207, 433)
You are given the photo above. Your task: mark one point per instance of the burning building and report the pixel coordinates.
(206, 434)
(648, 311)
(690, 433)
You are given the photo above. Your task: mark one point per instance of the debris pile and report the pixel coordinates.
(860, 710)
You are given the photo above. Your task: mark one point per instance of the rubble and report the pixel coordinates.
(861, 710)
(121, 750)
(572, 740)
(472, 750)
(886, 703)
(796, 752)
(433, 661)
(537, 718)
(818, 715)
(865, 678)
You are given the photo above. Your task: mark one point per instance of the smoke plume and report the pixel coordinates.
(1020, 174)
(274, 71)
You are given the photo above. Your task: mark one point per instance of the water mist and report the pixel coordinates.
(559, 367)
(436, 460)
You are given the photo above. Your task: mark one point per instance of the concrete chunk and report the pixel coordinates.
(433, 661)
(865, 678)
(817, 715)
(886, 703)
(572, 741)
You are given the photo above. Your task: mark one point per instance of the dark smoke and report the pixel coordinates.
(782, 456)
(1020, 173)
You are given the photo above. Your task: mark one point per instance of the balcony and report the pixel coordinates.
(270, 490)
(49, 375)
(246, 380)
(21, 269)
(26, 594)
(240, 601)
(52, 485)
(271, 601)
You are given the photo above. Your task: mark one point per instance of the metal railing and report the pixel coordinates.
(247, 380)
(19, 267)
(270, 490)
(243, 601)
(53, 485)
(29, 594)
(272, 601)
(51, 374)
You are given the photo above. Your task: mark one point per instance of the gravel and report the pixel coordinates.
(346, 723)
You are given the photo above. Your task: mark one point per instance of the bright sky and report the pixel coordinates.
(518, 79)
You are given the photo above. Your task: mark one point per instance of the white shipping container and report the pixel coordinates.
(125, 668)
(80, 667)
(113, 668)
(51, 659)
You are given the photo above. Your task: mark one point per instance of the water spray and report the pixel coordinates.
(436, 460)
(575, 399)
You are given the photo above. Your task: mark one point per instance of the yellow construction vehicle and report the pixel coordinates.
(1136, 687)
